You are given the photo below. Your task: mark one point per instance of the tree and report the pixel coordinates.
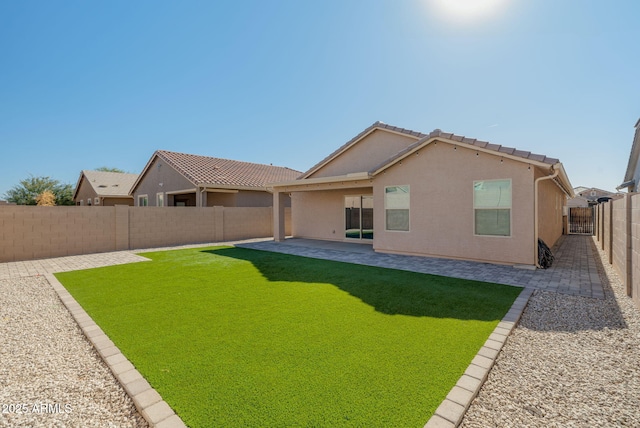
(29, 189)
(107, 169)
(46, 199)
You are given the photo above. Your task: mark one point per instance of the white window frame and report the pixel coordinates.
(510, 208)
(386, 203)
(160, 199)
(145, 198)
(96, 201)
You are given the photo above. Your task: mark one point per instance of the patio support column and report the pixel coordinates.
(278, 216)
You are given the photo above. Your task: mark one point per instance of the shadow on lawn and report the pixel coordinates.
(389, 291)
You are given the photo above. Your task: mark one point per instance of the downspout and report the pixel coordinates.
(535, 212)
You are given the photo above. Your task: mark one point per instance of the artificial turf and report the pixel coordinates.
(238, 337)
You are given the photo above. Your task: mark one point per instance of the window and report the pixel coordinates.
(143, 200)
(88, 201)
(396, 207)
(492, 207)
(96, 201)
(160, 199)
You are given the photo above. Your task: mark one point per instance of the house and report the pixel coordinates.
(180, 179)
(632, 175)
(589, 196)
(103, 188)
(436, 194)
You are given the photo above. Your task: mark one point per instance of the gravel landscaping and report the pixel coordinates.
(50, 374)
(571, 362)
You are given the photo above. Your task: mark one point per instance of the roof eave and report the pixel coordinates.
(356, 176)
(565, 183)
(626, 185)
(430, 139)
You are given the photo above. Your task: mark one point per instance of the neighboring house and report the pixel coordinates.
(578, 202)
(632, 175)
(589, 196)
(180, 179)
(104, 188)
(435, 194)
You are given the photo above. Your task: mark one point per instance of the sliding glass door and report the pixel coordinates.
(358, 213)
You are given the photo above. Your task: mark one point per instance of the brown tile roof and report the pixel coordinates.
(462, 140)
(204, 170)
(436, 133)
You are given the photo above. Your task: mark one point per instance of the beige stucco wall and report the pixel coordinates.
(31, 232)
(221, 199)
(368, 153)
(441, 207)
(551, 200)
(441, 181)
(159, 172)
(85, 191)
(110, 202)
(320, 214)
(243, 198)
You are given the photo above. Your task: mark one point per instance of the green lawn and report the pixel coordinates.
(237, 337)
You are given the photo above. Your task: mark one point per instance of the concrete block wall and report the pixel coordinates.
(30, 232)
(151, 227)
(633, 286)
(618, 234)
(245, 223)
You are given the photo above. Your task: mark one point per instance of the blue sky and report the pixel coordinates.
(85, 84)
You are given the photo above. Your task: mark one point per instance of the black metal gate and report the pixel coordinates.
(581, 220)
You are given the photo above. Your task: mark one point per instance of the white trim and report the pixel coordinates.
(142, 196)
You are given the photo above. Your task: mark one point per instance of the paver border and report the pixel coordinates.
(146, 399)
(451, 411)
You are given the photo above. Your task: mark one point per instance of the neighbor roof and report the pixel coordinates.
(210, 171)
(108, 184)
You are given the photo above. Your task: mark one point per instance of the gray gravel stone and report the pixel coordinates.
(571, 362)
(50, 375)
